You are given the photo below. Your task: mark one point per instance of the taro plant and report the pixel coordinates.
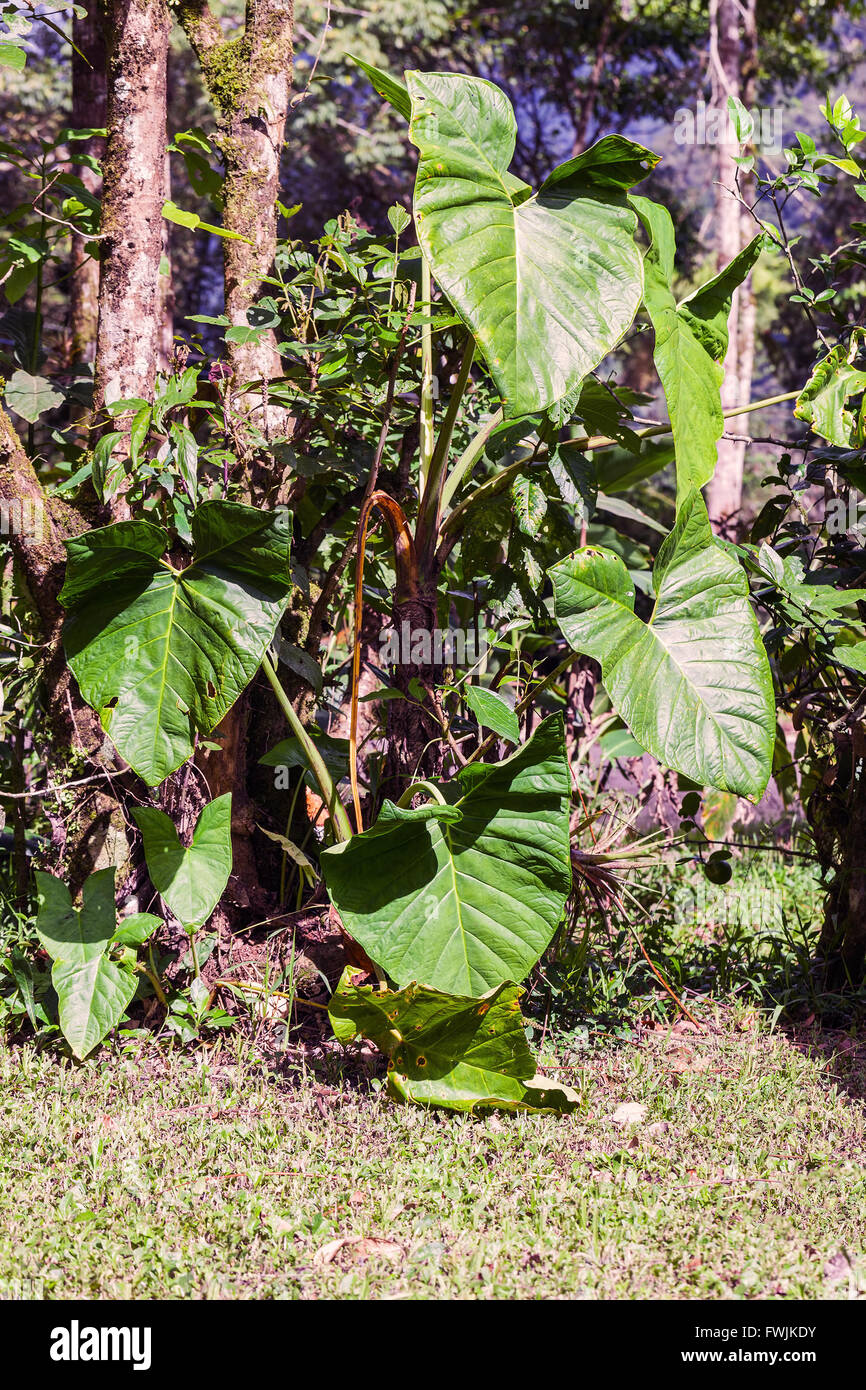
(460, 884)
(545, 283)
(192, 878)
(94, 958)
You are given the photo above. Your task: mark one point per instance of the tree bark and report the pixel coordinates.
(733, 66)
(88, 113)
(249, 80)
(133, 195)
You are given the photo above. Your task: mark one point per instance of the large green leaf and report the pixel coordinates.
(691, 339)
(190, 879)
(823, 402)
(694, 683)
(547, 282)
(464, 896)
(449, 1051)
(159, 652)
(93, 991)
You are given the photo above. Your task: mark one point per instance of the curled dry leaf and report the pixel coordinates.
(357, 1249)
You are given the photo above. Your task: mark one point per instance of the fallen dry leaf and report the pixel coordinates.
(358, 1249)
(837, 1267)
(660, 1127)
(631, 1113)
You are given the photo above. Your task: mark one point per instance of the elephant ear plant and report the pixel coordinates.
(456, 900)
(459, 886)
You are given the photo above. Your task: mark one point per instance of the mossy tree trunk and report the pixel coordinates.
(249, 81)
(88, 113)
(128, 338)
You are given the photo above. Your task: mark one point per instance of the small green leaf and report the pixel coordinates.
(834, 382)
(492, 711)
(136, 929)
(108, 466)
(530, 505)
(12, 56)
(399, 218)
(172, 213)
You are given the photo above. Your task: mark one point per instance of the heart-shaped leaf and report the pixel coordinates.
(547, 282)
(464, 896)
(691, 340)
(93, 992)
(694, 683)
(32, 396)
(449, 1051)
(191, 880)
(160, 652)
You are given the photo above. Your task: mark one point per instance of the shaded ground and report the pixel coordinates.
(148, 1173)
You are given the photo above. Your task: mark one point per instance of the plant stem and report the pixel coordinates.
(470, 456)
(193, 953)
(336, 810)
(422, 786)
(500, 481)
(150, 971)
(431, 499)
(425, 454)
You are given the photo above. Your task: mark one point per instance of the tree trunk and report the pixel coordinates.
(249, 81)
(733, 65)
(165, 288)
(133, 195)
(88, 113)
(836, 811)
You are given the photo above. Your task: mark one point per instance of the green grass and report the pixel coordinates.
(155, 1173)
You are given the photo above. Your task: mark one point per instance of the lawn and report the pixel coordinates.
(737, 1172)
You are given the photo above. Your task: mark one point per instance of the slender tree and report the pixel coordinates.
(88, 113)
(733, 73)
(249, 80)
(133, 195)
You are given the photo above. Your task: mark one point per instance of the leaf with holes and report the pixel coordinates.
(693, 684)
(190, 879)
(160, 653)
(835, 381)
(444, 1050)
(529, 504)
(467, 895)
(93, 992)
